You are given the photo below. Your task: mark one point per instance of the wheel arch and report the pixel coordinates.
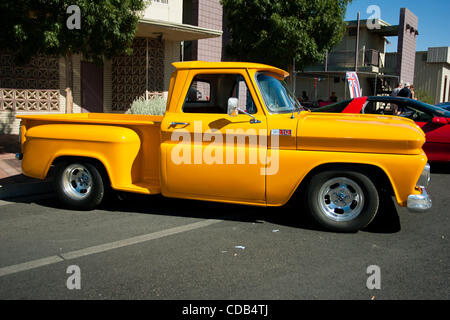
(71, 159)
(378, 175)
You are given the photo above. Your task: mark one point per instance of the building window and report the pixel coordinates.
(161, 1)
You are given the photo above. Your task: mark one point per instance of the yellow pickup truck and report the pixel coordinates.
(233, 132)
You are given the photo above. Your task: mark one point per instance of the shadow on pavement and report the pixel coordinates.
(293, 214)
(9, 143)
(440, 167)
(18, 178)
(387, 219)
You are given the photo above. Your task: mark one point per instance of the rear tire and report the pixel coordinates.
(342, 201)
(79, 185)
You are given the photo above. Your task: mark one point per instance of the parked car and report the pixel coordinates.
(444, 105)
(433, 120)
(249, 143)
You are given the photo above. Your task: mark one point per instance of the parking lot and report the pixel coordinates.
(157, 248)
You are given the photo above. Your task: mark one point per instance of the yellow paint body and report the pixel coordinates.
(138, 151)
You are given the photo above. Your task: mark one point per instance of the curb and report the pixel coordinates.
(17, 190)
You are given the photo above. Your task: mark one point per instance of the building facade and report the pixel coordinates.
(378, 71)
(207, 14)
(432, 74)
(41, 85)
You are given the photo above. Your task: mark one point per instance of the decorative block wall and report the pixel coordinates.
(128, 78)
(42, 72)
(30, 87)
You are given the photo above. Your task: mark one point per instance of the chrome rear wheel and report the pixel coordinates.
(77, 181)
(79, 185)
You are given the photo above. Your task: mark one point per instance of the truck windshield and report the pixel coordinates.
(277, 96)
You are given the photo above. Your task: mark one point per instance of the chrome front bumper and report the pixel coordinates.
(419, 202)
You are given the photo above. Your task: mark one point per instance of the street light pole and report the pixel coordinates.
(294, 76)
(357, 44)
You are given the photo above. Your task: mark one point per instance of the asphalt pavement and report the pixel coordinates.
(150, 247)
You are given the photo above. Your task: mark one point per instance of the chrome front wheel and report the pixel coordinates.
(343, 201)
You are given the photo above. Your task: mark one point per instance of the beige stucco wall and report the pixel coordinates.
(171, 11)
(428, 77)
(366, 38)
(171, 54)
(62, 84)
(445, 72)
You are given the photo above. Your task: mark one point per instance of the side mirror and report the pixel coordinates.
(233, 109)
(440, 120)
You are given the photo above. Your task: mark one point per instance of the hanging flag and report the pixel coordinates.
(353, 84)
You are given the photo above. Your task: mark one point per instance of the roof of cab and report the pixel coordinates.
(229, 65)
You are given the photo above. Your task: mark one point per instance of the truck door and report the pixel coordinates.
(208, 155)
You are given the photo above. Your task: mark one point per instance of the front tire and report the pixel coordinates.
(342, 201)
(79, 185)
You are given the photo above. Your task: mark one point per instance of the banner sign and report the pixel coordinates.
(353, 84)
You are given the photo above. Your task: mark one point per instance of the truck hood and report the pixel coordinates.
(358, 133)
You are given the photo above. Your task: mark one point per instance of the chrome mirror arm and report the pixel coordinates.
(254, 120)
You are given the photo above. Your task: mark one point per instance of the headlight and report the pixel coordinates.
(425, 177)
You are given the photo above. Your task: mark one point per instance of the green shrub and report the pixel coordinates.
(155, 106)
(423, 96)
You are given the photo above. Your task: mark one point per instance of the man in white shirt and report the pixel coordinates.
(396, 90)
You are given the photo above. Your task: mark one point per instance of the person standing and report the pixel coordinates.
(333, 97)
(304, 97)
(396, 90)
(406, 91)
(411, 88)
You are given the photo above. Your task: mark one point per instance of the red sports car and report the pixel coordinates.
(433, 120)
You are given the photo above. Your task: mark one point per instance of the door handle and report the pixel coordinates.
(173, 124)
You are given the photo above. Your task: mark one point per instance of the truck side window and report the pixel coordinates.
(200, 91)
(245, 101)
(209, 93)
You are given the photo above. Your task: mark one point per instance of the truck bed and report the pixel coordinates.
(101, 118)
(145, 170)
